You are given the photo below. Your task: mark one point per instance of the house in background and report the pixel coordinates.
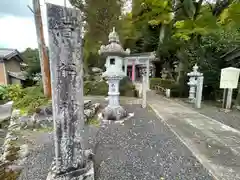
(10, 67)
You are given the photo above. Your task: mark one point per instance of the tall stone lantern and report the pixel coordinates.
(114, 54)
(193, 76)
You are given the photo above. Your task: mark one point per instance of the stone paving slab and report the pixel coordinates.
(231, 118)
(144, 148)
(216, 145)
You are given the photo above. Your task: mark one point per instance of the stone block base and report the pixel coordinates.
(114, 113)
(86, 173)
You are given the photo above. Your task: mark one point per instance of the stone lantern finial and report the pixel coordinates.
(195, 68)
(113, 36)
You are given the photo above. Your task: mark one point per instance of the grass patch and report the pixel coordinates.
(93, 121)
(8, 175)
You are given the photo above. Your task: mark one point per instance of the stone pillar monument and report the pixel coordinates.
(64, 28)
(125, 66)
(133, 71)
(144, 88)
(193, 83)
(199, 92)
(114, 54)
(196, 86)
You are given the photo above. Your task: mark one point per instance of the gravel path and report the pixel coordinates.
(38, 162)
(144, 149)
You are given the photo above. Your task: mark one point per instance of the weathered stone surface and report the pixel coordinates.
(47, 110)
(114, 113)
(91, 111)
(42, 118)
(96, 70)
(6, 111)
(66, 60)
(24, 151)
(12, 153)
(87, 103)
(80, 174)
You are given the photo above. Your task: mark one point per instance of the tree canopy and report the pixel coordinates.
(182, 32)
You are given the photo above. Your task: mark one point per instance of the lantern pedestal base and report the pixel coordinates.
(114, 113)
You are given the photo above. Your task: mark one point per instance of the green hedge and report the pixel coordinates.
(95, 88)
(166, 84)
(100, 88)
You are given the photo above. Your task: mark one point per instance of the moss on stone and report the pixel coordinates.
(93, 121)
(45, 129)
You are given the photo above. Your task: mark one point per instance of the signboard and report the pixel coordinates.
(229, 78)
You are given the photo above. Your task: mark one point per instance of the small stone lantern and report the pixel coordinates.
(193, 83)
(114, 54)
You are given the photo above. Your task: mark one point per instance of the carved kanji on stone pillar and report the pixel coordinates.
(64, 27)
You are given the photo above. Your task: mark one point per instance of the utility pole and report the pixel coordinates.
(44, 60)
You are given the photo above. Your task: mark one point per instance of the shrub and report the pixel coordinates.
(95, 88)
(100, 88)
(2, 92)
(166, 84)
(33, 99)
(127, 88)
(25, 99)
(13, 92)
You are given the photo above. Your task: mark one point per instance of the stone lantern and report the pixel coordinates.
(114, 54)
(193, 76)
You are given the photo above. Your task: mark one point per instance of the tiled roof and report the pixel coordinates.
(19, 75)
(8, 53)
(141, 54)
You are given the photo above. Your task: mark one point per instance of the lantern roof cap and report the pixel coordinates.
(114, 47)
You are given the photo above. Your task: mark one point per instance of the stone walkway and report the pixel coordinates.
(231, 118)
(216, 145)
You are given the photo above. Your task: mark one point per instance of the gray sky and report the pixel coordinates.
(17, 23)
(15, 8)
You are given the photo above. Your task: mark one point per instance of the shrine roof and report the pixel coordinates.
(144, 55)
(141, 54)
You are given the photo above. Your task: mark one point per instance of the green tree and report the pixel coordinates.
(189, 32)
(31, 59)
(101, 16)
